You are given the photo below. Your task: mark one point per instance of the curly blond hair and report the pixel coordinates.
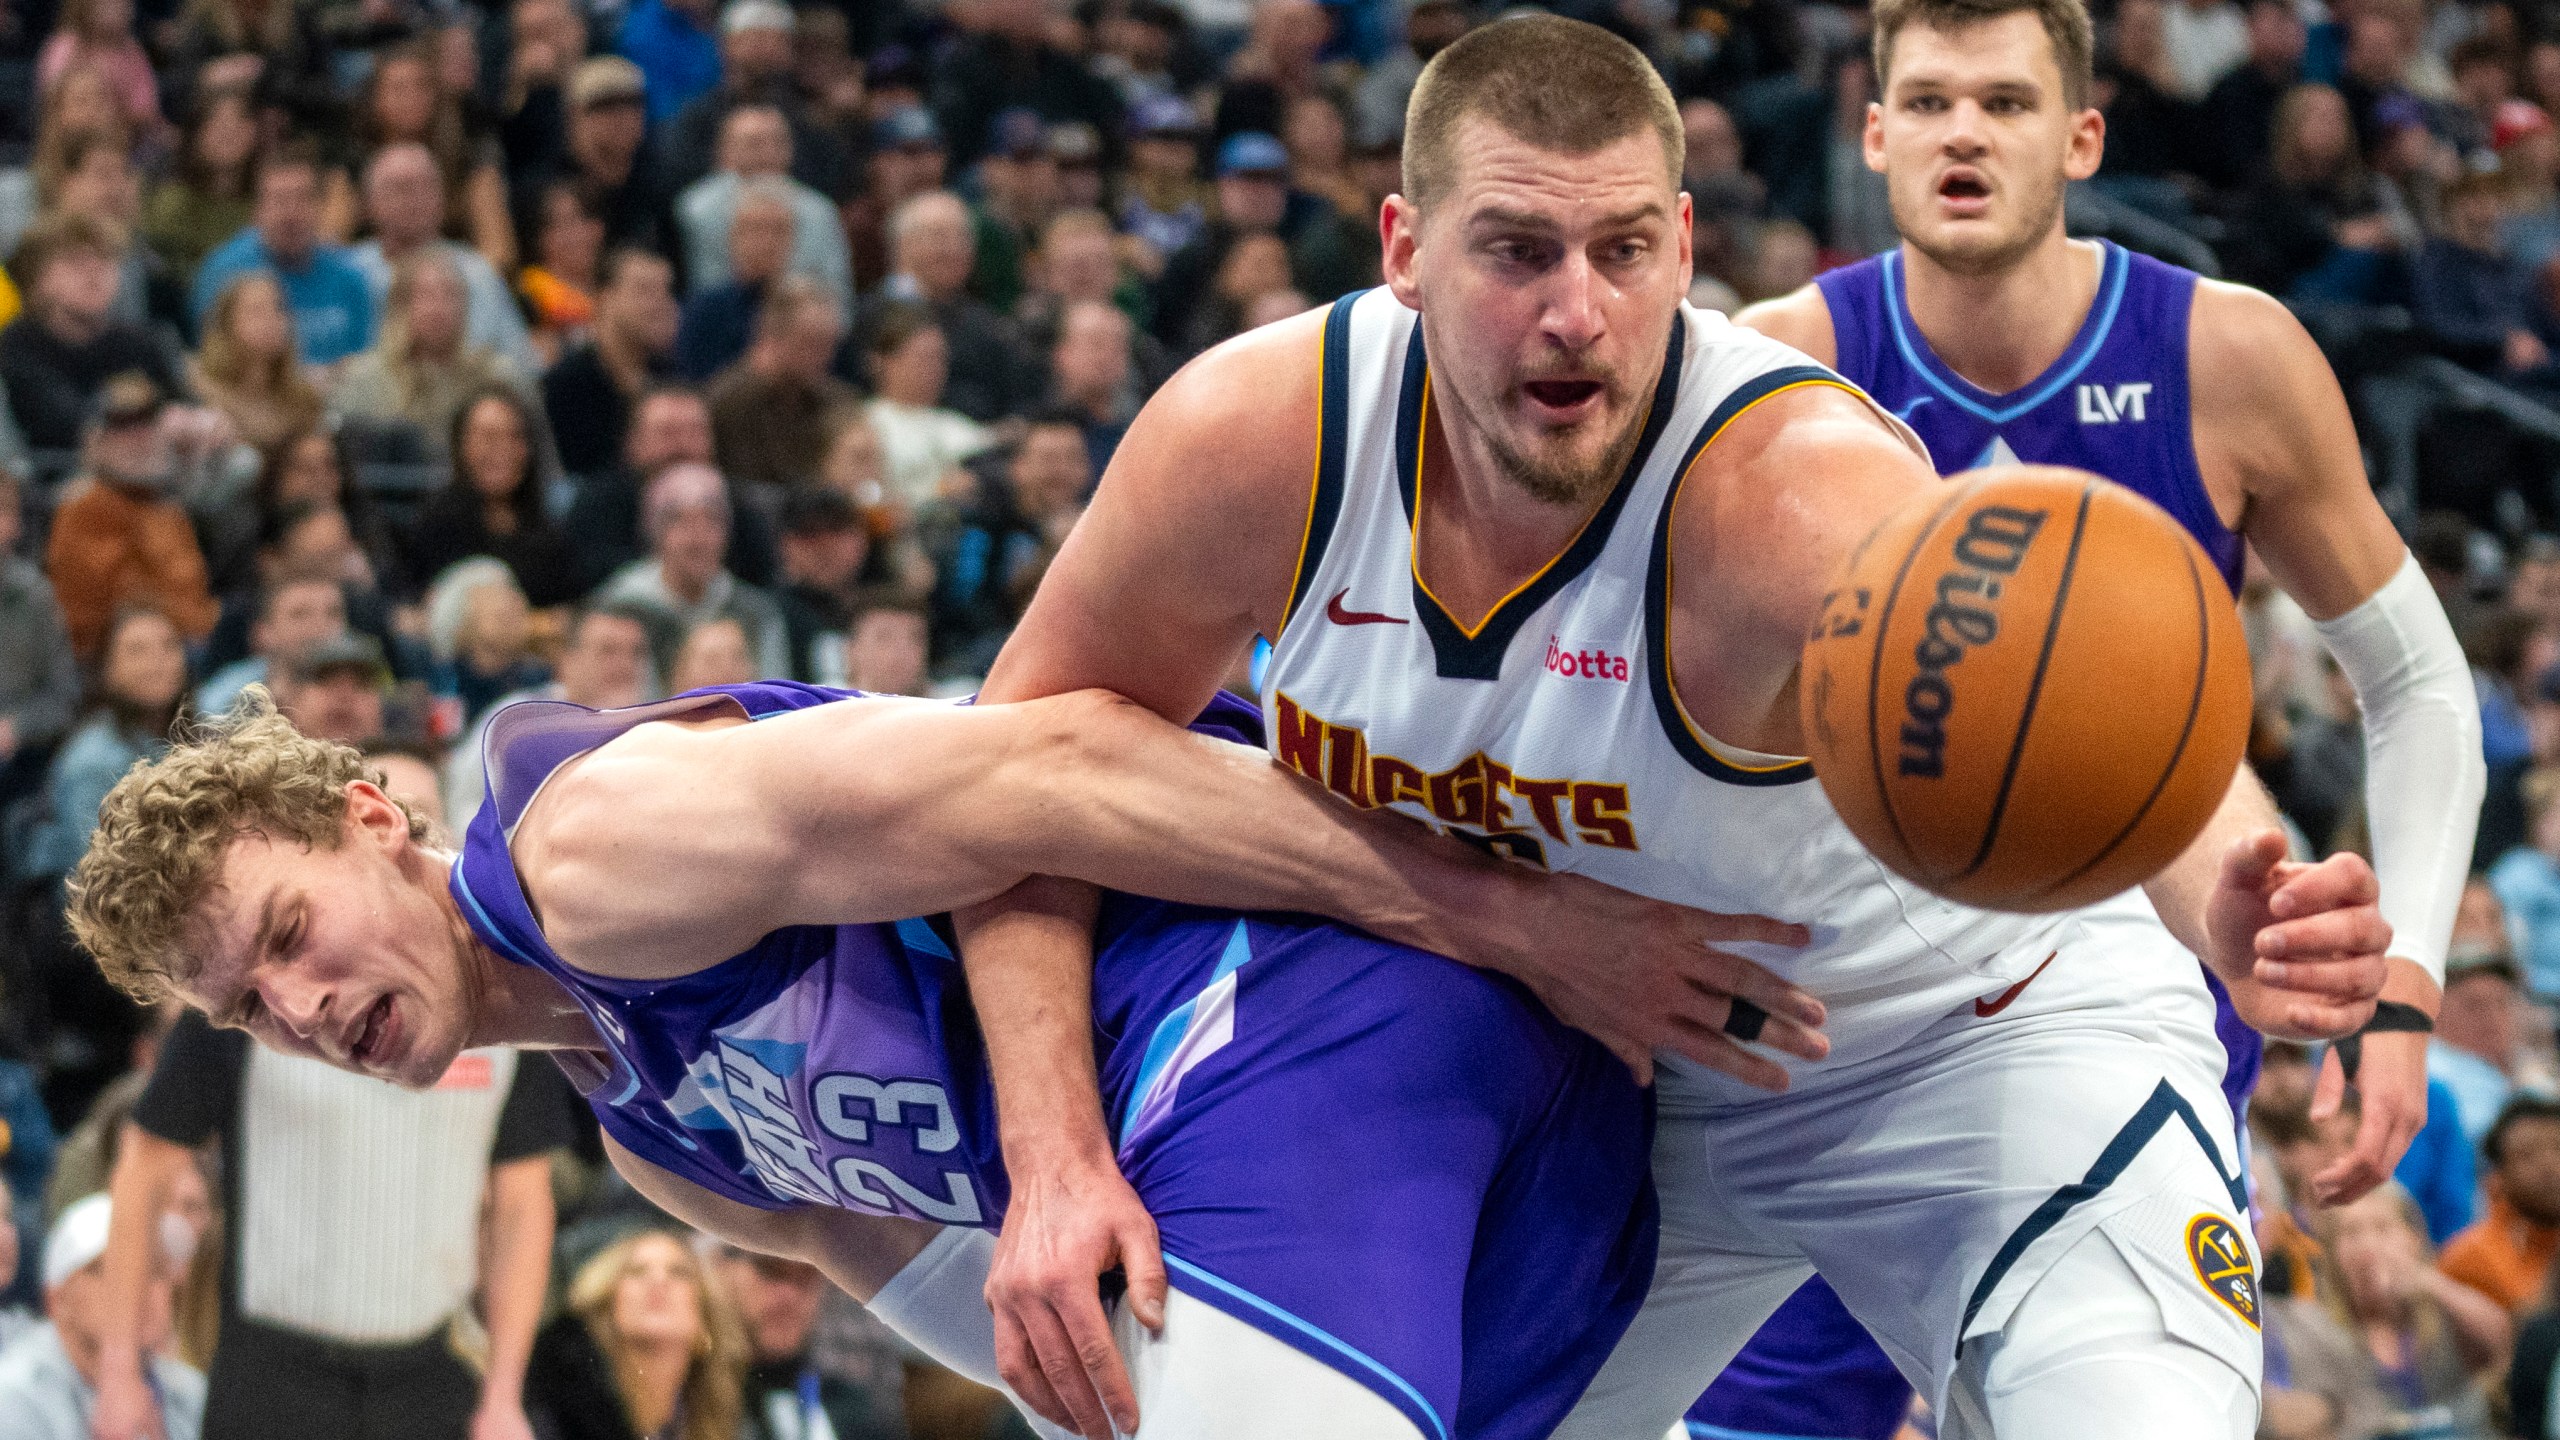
(164, 828)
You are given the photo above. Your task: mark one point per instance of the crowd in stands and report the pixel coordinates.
(408, 356)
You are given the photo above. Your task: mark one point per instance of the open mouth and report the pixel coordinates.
(1965, 187)
(1563, 395)
(372, 1033)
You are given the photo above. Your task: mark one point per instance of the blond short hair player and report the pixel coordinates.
(1525, 448)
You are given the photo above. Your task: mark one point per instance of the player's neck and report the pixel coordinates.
(2002, 330)
(511, 1004)
(1481, 532)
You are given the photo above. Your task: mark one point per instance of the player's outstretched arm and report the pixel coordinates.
(2267, 406)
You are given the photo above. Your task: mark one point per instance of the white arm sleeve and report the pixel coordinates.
(2423, 771)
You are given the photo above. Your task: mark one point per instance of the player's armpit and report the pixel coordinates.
(860, 1253)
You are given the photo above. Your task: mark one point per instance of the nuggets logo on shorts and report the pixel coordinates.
(2222, 1263)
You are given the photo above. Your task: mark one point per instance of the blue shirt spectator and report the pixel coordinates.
(676, 54)
(332, 305)
(2527, 881)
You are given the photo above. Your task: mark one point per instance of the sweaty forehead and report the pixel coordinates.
(2011, 48)
(1499, 172)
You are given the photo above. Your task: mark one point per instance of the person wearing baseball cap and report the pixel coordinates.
(1163, 204)
(605, 154)
(48, 1377)
(757, 54)
(2528, 147)
(1252, 197)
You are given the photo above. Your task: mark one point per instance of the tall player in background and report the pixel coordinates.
(2000, 340)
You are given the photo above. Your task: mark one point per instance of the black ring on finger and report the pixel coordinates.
(1744, 1021)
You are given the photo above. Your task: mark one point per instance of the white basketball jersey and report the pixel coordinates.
(1551, 731)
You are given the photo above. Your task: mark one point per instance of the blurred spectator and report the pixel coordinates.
(886, 640)
(787, 1396)
(208, 195)
(64, 345)
(755, 153)
(39, 677)
(1090, 373)
(755, 70)
(824, 547)
(648, 1349)
(932, 248)
(493, 504)
(713, 652)
(334, 690)
(1163, 203)
(671, 423)
(1017, 189)
(96, 179)
(590, 392)
(119, 537)
(1378, 103)
(718, 322)
(99, 33)
(2240, 111)
(1254, 266)
(769, 411)
(48, 1377)
(482, 636)
(405, 102)
(1014, 58)
(333, 314)
(1079, 262)
(16, 1318)
(2317, 227)
(545, 41)
(670, 43)
(559, 285)
(920, 439)
(363, 1219)
(2507, 1254)
(404, 198)
(2476, 1047)
(682, 582)
(2529, 162)
(604, 664)
(2471, 297)
(2527, 882)
(2392, 1346)
(989, 555)
(247, 369)
(2205, 40)
(606, 152)
(303, 537)
(311, 468)
(82, 104)
(135, 697)
(296, 612)
(1252, 199)
(907, 160)
(2313, 763)
(425, 366)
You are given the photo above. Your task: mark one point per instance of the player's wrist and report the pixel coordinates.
(2406, 982)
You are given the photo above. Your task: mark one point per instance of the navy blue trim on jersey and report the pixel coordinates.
(1457, 654)
(1967, 396)
(1657, 591)
(2165, 1102)
(1333, 441)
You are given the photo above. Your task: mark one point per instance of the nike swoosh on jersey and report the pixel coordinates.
(1334, 612)
(1985, 1009)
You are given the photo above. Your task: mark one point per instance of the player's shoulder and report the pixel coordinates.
(2248, 356)
(1800, 318)
(1252, 404)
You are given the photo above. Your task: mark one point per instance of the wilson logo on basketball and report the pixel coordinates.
(1584, 664)
(1994, 544)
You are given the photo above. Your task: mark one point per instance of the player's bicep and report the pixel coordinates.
(2268, 406)
(1813, 471)
(1192, 539)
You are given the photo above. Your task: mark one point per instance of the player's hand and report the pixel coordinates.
(498, 1419)
(2300, 946)
(1064, 1227)
(1640, 975)
(125, 1409)
(2391, 1088)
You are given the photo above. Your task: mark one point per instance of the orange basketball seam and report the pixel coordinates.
(2195, 705)
(1875, 665)
(2035, 686)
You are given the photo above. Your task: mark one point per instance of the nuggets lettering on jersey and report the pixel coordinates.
(1479, 799)
(1552, 722)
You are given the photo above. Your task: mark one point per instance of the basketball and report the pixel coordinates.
(2027, 691)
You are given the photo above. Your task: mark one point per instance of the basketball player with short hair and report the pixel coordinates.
(1405, 1199)
(1537, 547)
(2001, 340)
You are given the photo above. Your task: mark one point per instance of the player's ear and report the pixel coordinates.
(2088, 143)
(1687, 240)
(1399, 237)
(1871, 139)
(374, 816)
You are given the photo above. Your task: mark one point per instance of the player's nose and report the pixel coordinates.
(301, 1007)
(1575, 312)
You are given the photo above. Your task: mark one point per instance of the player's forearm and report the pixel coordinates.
(2182, 889)
(1121, 799)
(146, 1173)
(515, 1272)
(1029, 958)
